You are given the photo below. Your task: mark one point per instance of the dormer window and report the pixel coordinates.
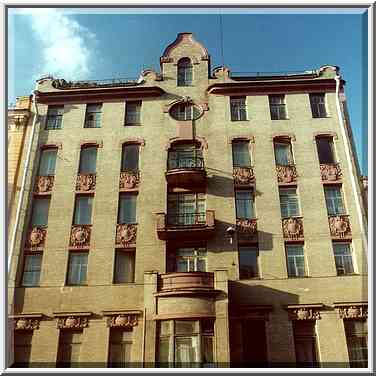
(185, 72)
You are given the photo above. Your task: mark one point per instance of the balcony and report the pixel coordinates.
(187, 282)
(44, 184)
(86, 183)
(243, 176)
(247, 229)
(330, 173)
(339, 226)
(129, 181)
(80, 237)
(188, 171)
(293, 228)
(286, 174)
(35, 238)
(194, 226)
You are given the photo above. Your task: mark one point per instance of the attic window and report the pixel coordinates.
(185, 72)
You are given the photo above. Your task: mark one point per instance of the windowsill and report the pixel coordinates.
(123, 283)
(280, 119)
(348, 275)
(53, 129)
(92, 127)
(298, 277)
(234, 121)
(132, 124)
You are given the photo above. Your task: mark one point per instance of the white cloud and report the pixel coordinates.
(65, 43)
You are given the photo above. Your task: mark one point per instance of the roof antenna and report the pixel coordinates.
(221, 34)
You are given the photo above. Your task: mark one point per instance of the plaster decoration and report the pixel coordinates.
(243, 175)
(25, 323)
(339, 226)
(129, 180)
(286, 174)
(126, 234)
(72, 322)
(122, 321)
(292, 228)
(36, 237)
(221, 72)
(64, 85)
(247, 226)
(44, 184)
(330, 172)
(304, 313)
(353, 312)
(86, 182)
(80, 236)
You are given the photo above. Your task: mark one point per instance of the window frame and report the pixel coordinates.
(78, 197)
(124, 156)
(184, 68)
(311, 338)
(333, 153)
(43, 152)
(123, 342)
(58, 117)
(33, 208)
(355, 335)
(255, 274)
(288, 215)
(88, 170)
(95, 120)
(38, 270)
(239, 202)
(339, 209)
(302, 256)
(116, 279)
(238, 154)
(136, 113)
(133, 197)
(278, 142)
(318, 108)
(188, 156)
(350, 255)
(238, 105)
(278, 107)
(80, 282)
(194, 258)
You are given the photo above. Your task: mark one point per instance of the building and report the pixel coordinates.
(191, 218)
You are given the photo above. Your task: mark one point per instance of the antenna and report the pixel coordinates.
(221, 34)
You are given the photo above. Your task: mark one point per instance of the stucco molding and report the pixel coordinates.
(72, 320)
(88, 143)
(201, 140)
(283, 135)
(325, 134)
(57, 145)
(249, 138)
(132, 140)
(304, 312)
(352, 310)
(26, 321)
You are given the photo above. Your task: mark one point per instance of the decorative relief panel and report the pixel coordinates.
(44, 184)
(286, 174)
(330, 172)
(339, 226)
(122, 321)
(292, 228)
(126, 235)
(35, 238)
(129, 180)
(247, 228)
(26, 323)
(80, 236)
(353, 312)
(304, 313)
(243, 176)
(72, 322)
(86, 182)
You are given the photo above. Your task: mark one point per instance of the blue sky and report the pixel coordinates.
(98, 44)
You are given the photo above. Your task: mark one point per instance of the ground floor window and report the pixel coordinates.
(254, 343)
(22, 348)
(186, 343)
(356, 337)
(69, 348)
(120, 348)
(305, 343)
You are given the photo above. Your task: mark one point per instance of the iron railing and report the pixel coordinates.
(192, 162)
(186, 219)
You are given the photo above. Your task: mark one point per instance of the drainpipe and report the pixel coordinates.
(143, 338)
(348, 156)
(24, 177)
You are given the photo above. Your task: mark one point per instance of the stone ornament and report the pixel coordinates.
(36, 237)
(243, 175)
(126, 234)
(330, 172)
(353, 312)
(286, 174)
(24, 323)
(80, 236)
(246, 226)
(44, 184)
(86, 182)
(129, 180)
(122, 321)
(292, 228)
(72, 322)
(304, 313)
(339, 226)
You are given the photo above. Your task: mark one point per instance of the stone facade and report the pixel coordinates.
(98, 309)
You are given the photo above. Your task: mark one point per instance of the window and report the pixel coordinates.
(186, 343)
(127, 208)
(238, 108)
(333, 198)
(305, 343)
(22, 348)
(185, 72)
(289, 202)
(93, 115)
(240, 154)
(277, 107)
(129, 158)
(254, 343)
(295, 260)
(248, 262)
(318, 105)
(124, 266)
(69, 348)
(54, 117)
(185, 111)
(120, 348)
(191, 260)
(356, 338)
(47, 162)
(283, 153)
(88, 160)
(31, 271)
(325, 150)
(186, 208)
(343, 258)
(244, 204)
(39, 216)
(185, 156)
(77, 268)
(133, 113)
(82, 210)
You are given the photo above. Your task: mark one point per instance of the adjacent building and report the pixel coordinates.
(191, 217)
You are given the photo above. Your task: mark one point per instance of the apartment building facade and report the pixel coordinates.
(191, 218)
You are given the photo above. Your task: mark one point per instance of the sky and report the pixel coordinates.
(79, 44)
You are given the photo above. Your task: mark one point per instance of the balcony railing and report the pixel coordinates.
(86, 182)
(339, 226)
(330, 172)
(286, 174)
(35, 238)
(186, 219)
(186, 171)
(44, 184)
(185, 163)
(196, 281)
(243, 176)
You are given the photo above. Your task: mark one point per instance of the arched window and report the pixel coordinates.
(185, 71)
